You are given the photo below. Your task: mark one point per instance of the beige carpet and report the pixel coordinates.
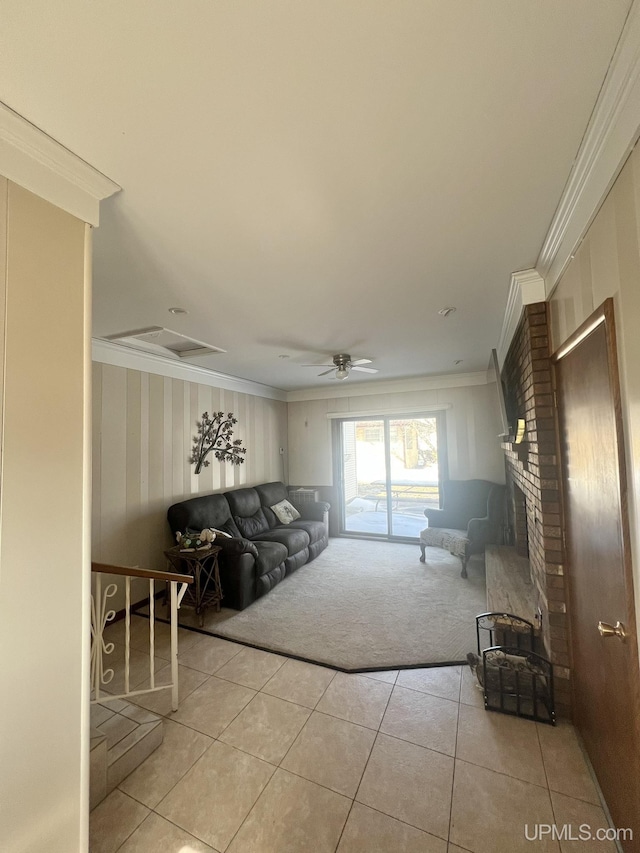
(364, 605)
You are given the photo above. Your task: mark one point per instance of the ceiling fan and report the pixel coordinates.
(343, 364)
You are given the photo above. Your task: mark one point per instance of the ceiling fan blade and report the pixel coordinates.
(361, 361)
(331, 370)
(322, 364)
(364, 369)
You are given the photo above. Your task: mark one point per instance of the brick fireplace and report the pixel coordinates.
(533, 481)
(517, 517)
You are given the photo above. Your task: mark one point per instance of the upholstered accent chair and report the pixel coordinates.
(471, 517)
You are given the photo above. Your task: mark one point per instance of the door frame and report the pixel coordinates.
(338, 472)
(604, 314)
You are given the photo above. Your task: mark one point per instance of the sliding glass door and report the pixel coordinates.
(390, 469)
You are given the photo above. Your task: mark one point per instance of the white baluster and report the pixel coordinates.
(174, 645)
(97, 637)
(127, 632)
(152, 634)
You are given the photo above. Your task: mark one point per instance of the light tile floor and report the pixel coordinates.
(271, 755)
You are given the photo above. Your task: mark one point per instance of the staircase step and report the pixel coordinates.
(123, 737)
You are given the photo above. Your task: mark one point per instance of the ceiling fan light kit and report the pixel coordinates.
(343, 364)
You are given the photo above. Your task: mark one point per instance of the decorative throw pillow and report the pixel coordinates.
(285, 512)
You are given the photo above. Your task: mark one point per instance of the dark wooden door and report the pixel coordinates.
(606, 680)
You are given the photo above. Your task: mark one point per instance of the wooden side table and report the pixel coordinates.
(203, 565)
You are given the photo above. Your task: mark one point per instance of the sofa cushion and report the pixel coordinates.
(265, 583)
(315, 529)
(294, 539)
(243, 502)
(231, 529)
(316, 548)
(269, 514)
(271, 493)
(293, 563)
(270, 556)
(252, 526)
(201, 512)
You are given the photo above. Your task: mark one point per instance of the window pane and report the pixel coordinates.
(413, 473)
(364, 477)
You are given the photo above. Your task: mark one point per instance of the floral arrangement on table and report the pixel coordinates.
(190, 541)
(214, 434)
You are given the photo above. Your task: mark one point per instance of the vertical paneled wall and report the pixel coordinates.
(472, 425)
(143, 428)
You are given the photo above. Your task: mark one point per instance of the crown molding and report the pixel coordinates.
(527, 287)
(118, 355)
(608, 140)
(35, 161)
(391, 386)
(399, 411)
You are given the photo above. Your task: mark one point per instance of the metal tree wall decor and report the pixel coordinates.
(214, 434)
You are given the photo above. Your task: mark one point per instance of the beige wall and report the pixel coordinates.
(44, 573)
(472, 430)
(143, 425)
(608, 264)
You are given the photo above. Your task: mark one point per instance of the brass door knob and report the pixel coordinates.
(617, 630)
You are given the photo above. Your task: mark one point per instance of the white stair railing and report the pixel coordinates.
(102, 615)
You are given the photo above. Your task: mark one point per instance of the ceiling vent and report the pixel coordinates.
(160, 340)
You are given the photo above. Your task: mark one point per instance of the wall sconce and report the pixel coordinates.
(520, 430)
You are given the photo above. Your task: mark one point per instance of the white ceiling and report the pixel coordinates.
(313, 177)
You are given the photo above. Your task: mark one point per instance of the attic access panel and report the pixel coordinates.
(153, 338)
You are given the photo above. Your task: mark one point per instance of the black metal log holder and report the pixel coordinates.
(504, 629)
(514, 678)
(518, 683)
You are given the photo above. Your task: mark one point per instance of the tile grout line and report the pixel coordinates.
(254, 804)
(346, 821)
(398, 819)
(502, 773)
(166, 794)
(455, 754)
(235, 655)
(177, 825)
(426, 693)
(214, 741)
(373, 746)
(295, 740)
(544, 770)
(570, 796)
(136, 828)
